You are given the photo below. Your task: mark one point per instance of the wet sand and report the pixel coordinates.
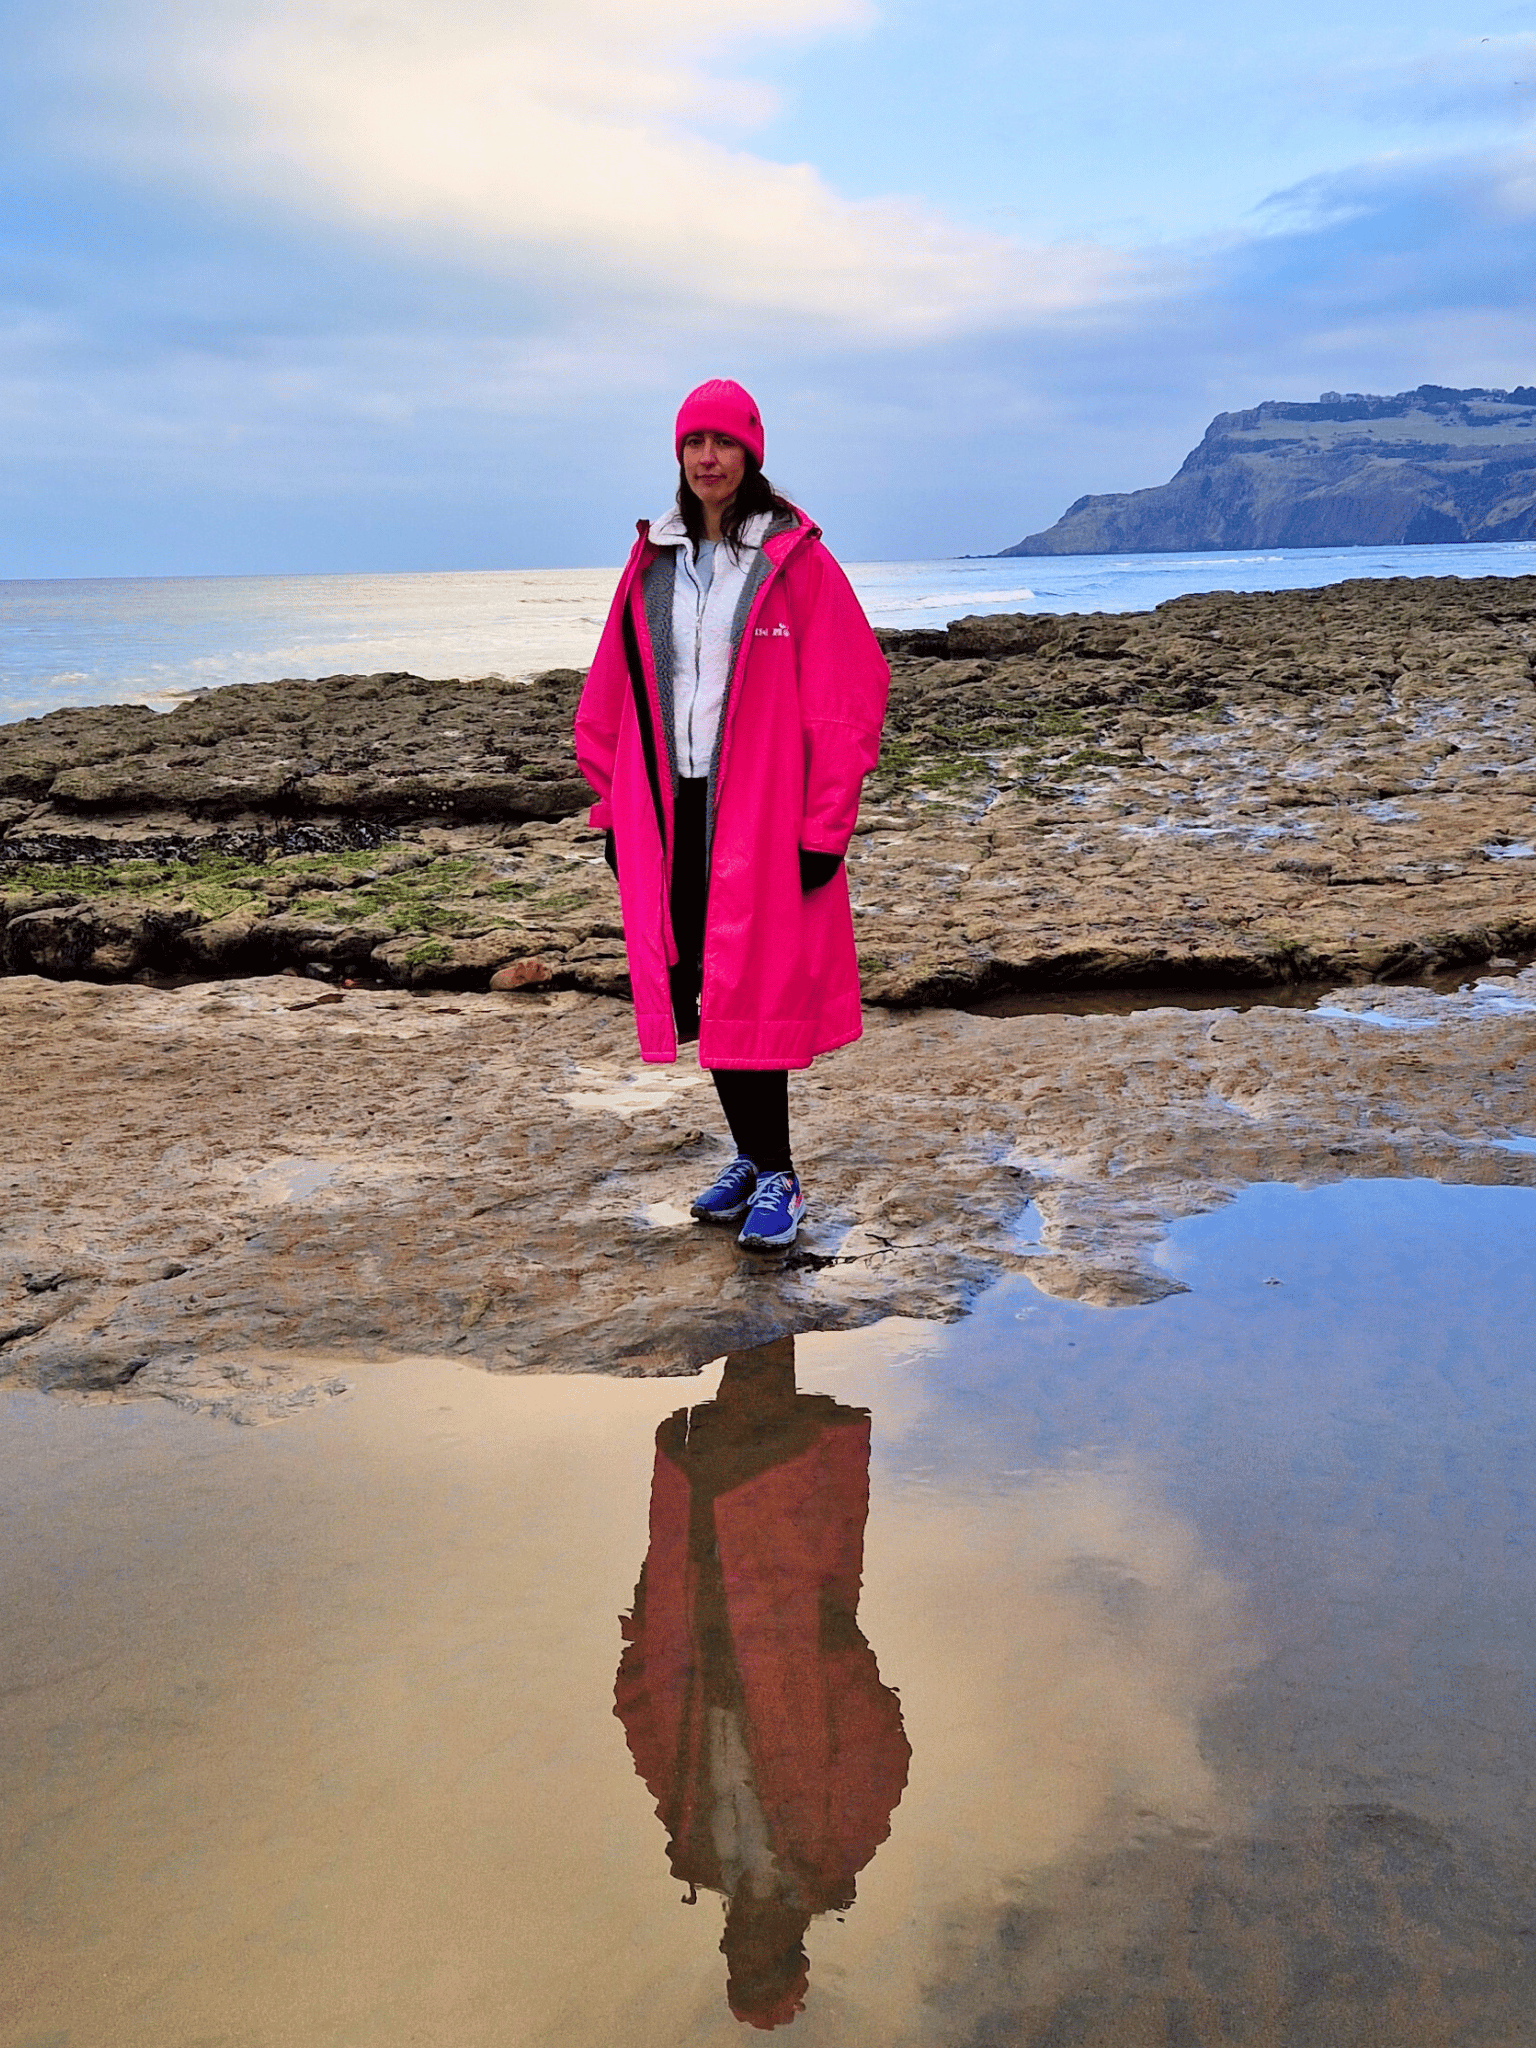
(1210, 1622)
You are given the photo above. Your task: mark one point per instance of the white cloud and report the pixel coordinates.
(587, 138)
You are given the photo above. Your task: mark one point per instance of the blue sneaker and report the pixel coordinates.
(773, 1221)
(729, 1198)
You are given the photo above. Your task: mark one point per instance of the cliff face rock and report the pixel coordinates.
(1428, 466)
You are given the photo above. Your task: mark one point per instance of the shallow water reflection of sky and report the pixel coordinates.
(1208, 1628)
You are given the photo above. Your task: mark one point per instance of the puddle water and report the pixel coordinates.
(288, 1180)
(1125, 1002)
(1289, 995)
(1065, 1675)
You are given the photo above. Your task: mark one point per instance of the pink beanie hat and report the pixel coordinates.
(722, 407)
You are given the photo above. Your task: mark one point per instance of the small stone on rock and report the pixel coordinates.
(520, 974)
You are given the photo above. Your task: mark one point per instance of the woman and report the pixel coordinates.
(731, 715)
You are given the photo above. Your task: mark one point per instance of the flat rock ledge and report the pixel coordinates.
(1321, 785)
(225, 1195)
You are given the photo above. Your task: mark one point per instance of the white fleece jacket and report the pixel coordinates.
(701, 634)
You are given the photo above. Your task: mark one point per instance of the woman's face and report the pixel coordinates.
(714, 465)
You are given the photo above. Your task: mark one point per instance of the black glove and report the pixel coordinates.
(611, 852)
(817, 869)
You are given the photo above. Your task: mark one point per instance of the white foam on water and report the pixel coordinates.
(945, 601)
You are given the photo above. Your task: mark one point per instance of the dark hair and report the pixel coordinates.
(754, 494)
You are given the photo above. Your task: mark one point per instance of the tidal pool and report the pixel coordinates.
(1065, 1675)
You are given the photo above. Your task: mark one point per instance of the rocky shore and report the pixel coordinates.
(1235, 789)
(223, 1180)
(223, 1194)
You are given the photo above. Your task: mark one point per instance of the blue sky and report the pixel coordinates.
(362, 284)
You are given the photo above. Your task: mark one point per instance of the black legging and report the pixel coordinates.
(755, 1099)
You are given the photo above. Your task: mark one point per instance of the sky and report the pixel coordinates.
(325, 285)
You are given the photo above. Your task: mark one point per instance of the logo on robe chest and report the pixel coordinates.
(772, 632)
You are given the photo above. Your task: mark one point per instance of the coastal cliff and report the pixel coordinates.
(1427, 466)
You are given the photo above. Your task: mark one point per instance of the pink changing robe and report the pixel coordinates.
(799, 732)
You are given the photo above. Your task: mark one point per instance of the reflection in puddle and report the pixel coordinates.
(1204, 1712)
(752, 1704)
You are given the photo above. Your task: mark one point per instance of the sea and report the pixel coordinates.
(156, 640)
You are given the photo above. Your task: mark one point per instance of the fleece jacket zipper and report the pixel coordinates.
(700, 601)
